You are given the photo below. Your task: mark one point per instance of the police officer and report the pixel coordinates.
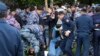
(64, 36)
(84, 25)
(68, 34)
(29, 39)
(10, 42)
(96, 39)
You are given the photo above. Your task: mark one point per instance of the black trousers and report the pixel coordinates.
(96, 43)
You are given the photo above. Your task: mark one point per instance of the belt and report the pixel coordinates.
(97, 29)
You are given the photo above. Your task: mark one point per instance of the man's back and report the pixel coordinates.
(10, 44)
(84, 23)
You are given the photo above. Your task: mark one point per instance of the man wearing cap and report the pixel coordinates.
(10, 42)
(84, 25)
(96, 38)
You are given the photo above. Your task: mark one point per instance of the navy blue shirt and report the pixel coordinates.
(84, 24)
(10, 42)
(96, 19)
(68, 26)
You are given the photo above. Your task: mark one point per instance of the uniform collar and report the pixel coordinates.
(2, 21)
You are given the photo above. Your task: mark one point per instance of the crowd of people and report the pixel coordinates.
(34, 29)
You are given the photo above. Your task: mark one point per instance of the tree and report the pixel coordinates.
(30, 2)
(89, 1)
(64, 1)
(22, 3)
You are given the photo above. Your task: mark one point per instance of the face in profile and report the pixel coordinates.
(28, 10)
(61, 16)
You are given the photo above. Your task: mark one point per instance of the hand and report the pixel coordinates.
(52, 17)
(67, 33)
(49, 10)
(97, 25)
(31, 50)
(67, 20)
(44, 17)
(44, 46)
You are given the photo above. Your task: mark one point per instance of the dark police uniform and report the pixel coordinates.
(96, 39)
(10, 42)
(67, 42)
(84, 26)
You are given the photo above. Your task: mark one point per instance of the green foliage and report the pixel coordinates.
(36, 2)
(41, 2)
(22, 3)
(89, 1)
(97, 1)
(29, 2)
(64, 1)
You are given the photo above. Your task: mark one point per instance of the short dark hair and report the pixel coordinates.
(32, 8)
(97, 9)
(84, 10)
(60, 13)
(39, 8)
